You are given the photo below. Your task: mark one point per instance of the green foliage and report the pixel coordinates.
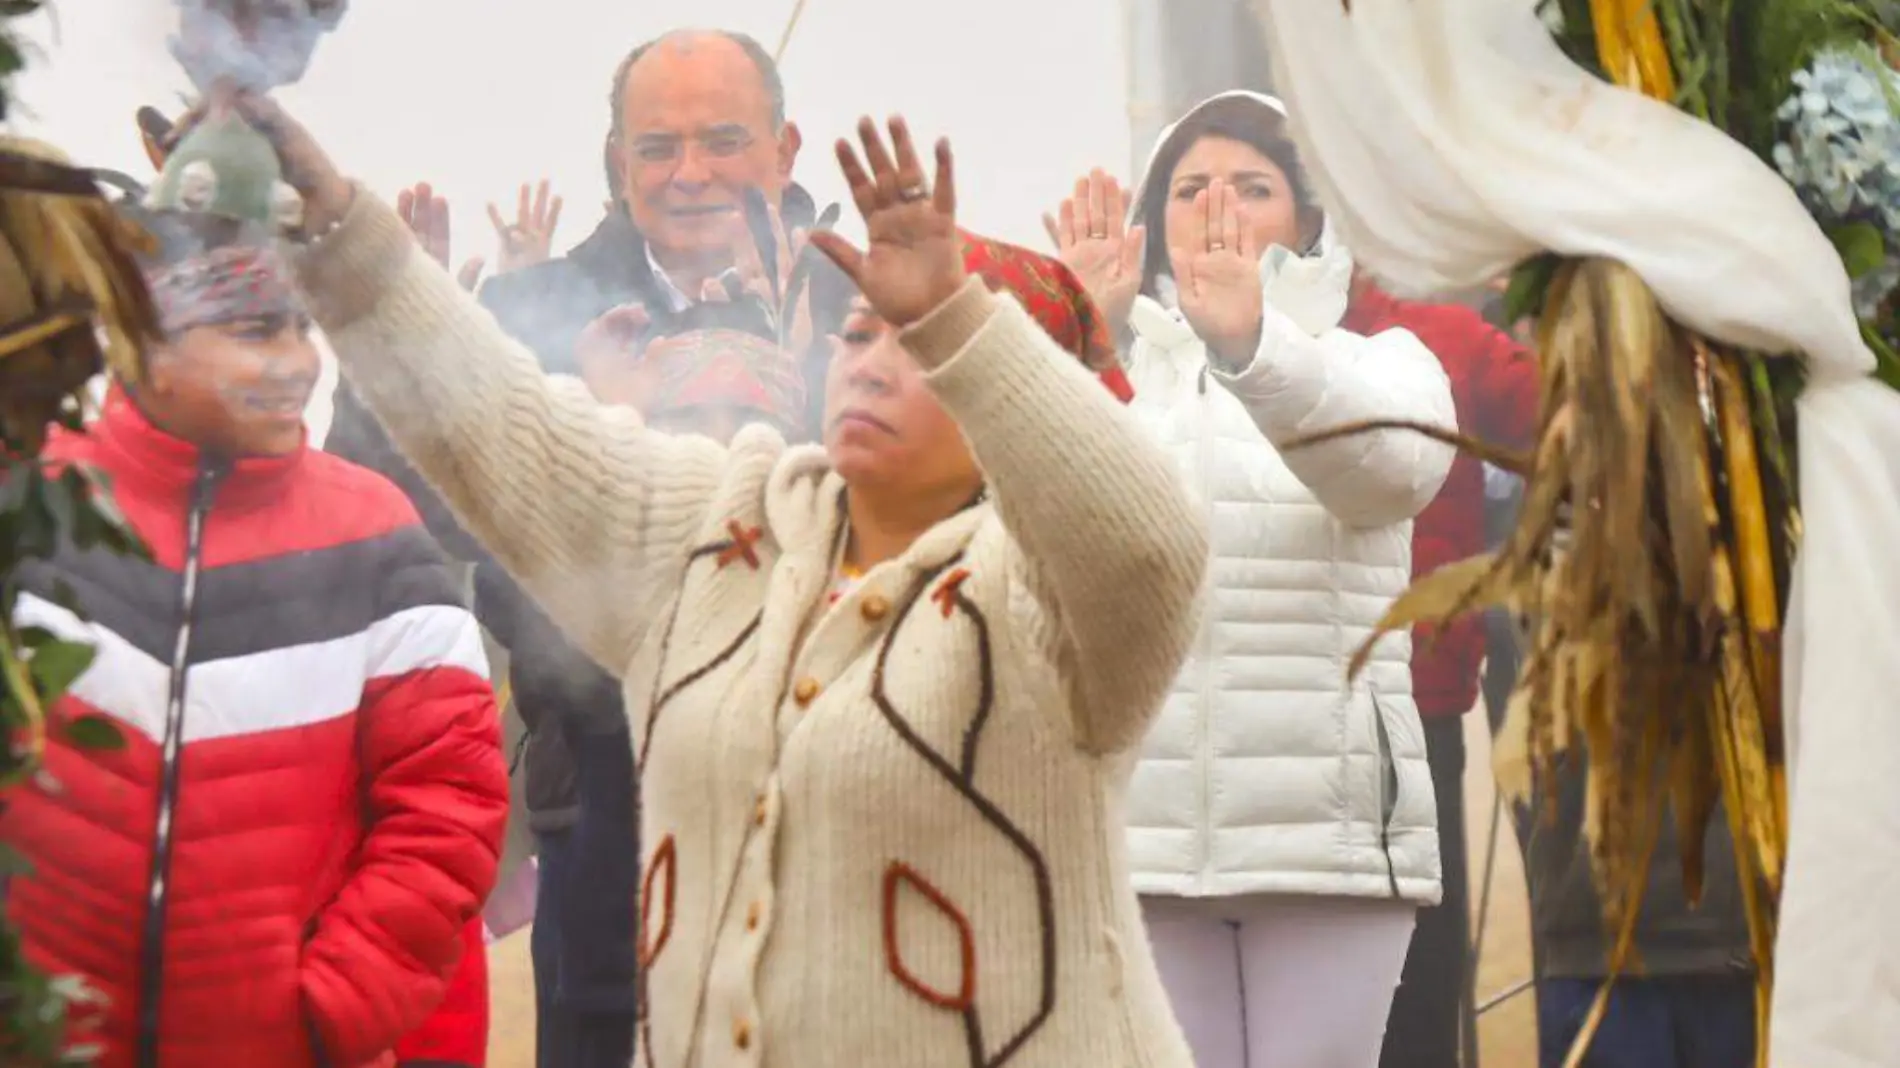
(1886, 353)
(1524, 297)
(1735, 63)
(12, 51)
(1767, 42)
(1573, 30)
(1861, 246)
(38, 513)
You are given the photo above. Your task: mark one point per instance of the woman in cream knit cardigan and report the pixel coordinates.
(883, 730)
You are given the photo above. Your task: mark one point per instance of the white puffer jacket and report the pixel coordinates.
(1264, 774)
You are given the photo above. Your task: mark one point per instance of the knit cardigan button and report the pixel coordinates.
(806, 691)
(742, 1035)
(753, 915)
(874, 608)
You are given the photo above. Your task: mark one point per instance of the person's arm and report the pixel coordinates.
(456, 1034)
(570, 496)
(1110, 541)
(435, 795)
(1303, 380)
(1506, 389)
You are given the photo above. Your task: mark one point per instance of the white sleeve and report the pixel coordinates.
(1308, 378)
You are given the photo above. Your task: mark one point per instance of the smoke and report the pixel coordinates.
(253, 44)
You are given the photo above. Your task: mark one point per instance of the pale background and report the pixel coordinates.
(477, 96)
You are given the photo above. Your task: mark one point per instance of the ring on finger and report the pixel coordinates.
(911, 194)
(1217, 246)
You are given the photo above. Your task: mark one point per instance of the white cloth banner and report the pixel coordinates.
(1452, 139)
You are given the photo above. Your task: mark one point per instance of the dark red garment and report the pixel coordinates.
(1494, 387)
(279, 865)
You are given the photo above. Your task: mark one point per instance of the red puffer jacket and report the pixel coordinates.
(279, 866)
(456, 1034)
(1494, 386)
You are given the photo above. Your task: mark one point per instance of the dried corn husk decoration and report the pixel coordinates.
(1647, 567)
(1630, 45)
(72, 298)
(1642, 567)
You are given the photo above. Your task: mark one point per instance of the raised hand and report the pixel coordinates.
(913, 259)
(610, 360)
(327, 195)
(530, 238)
(1093, 238)
(426, 213)
(1217, 272)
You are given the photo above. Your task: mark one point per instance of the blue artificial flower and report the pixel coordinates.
(1841, 152)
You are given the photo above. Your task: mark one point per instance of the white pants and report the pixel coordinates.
(1281, 982)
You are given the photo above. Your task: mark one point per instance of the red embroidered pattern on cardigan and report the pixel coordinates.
(947, 591)
(743, 546)
(664, 865)
(895, 878)
(961, 775)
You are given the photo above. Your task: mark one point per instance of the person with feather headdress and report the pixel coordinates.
(282, 863)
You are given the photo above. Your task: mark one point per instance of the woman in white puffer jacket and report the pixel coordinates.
(1281, 824)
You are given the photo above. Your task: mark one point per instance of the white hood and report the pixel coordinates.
(1310, 287)
(1268, 109)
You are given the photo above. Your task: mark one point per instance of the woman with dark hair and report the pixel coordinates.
(1281, 824)
(283, 860)
(885, 691)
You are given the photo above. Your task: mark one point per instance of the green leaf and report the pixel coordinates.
(1524, 297)
(88, 526)
(14, 485)
(56, 665)
(1861, 246)
(95, 732)
(13, 863)
(37, 529)
(1886, 358)
(34, 637)
(58, 497)
(105, 523)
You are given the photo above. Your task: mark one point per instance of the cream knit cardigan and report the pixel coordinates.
(885, 833)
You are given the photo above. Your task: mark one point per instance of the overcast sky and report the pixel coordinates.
(479, 95)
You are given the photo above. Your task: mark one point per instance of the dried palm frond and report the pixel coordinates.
(1650, 559)
(72, 298)
(1643, 566)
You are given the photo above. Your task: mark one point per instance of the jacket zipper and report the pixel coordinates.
(1204, 756)
(152, 949)
(1388, 789)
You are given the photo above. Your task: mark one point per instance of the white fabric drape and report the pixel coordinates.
(1452, 139)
